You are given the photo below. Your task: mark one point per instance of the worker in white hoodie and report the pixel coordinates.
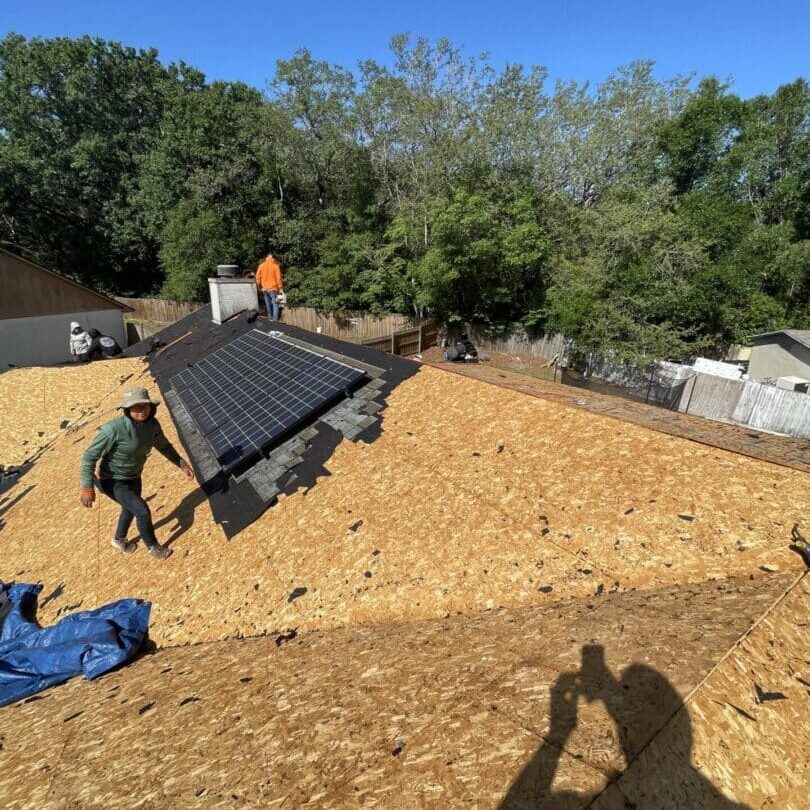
(80, 343)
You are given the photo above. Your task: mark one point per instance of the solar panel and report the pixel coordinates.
(257, 389)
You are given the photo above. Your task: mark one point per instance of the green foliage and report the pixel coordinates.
(77, 116)
(638, 217)
(476, 229)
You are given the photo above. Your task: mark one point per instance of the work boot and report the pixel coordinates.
(127, 546)
(161, 552)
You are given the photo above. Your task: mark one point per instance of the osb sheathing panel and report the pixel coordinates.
(666, 631)
(428, 714)
(35, 402)
(472, 498)
(729, 740)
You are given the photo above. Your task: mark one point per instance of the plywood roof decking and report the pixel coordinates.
(36, 401)
(757, 752)
(776, 449)
(475, 537)
(442, 713)
(473, 497)
(576, 528)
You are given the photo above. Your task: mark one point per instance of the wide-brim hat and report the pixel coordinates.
(136, 396)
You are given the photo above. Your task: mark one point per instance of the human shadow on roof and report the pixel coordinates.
(182, 516)
(7, 502)
(641, 702)
(11, 474)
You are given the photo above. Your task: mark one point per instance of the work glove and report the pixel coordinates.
(87, 496)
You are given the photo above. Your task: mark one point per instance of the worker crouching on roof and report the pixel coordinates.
(122, 446)
(268, 278)
(103, 345)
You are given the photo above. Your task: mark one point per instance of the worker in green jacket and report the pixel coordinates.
(122, 446)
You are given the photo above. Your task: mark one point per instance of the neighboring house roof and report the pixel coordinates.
(799, 335)
(31, 290)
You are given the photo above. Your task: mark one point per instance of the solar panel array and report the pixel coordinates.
(258, 388)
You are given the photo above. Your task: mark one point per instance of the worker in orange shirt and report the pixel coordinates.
(268, 277)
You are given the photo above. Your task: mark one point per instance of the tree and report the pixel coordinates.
(202, 189)
(625, 292)
(695, 141)
(77, 117)
(639, 217)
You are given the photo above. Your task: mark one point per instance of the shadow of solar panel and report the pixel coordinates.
(258, 389)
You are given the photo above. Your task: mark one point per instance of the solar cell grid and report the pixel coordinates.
(249, 393)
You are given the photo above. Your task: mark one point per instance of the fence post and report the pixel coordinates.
(419, 348)
(693, 378)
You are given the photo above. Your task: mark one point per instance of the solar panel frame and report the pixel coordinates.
(258, 389)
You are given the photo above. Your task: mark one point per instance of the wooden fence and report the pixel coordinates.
(398, 333)
(517, 343)
(406, 342)
(157, 310)
(352, 326)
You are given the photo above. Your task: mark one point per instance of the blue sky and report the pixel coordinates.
(759, 44)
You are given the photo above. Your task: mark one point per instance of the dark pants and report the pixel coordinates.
(271, 301)
(128, 495)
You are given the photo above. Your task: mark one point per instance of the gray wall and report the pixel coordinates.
(782, 357)
(44, 340)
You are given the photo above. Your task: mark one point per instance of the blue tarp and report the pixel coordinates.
(90, 642)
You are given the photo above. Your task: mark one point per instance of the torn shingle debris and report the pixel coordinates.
(764, 697)
(283, 638)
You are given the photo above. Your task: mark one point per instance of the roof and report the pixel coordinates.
(799, 335)
(404, 629)
(444, 713)
(18, 304)
(239, 500)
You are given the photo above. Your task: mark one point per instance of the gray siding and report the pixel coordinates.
(43, 341)
(780, 357)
